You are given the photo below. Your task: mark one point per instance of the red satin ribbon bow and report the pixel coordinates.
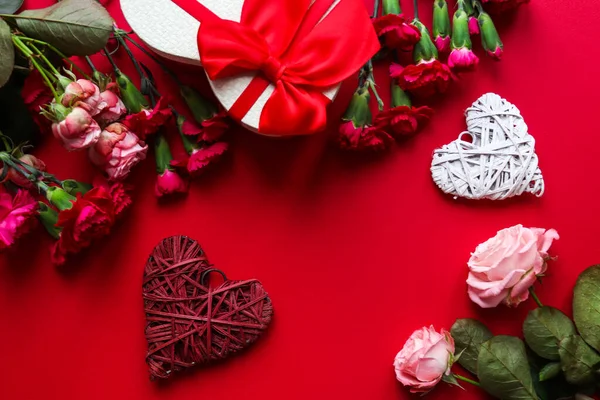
(294, 48)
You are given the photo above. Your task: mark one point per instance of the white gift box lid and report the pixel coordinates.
(172, 33)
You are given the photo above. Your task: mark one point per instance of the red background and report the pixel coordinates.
(356, 252)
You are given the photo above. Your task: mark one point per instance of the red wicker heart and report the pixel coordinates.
(188, 322)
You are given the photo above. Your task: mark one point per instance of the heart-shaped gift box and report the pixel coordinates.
(494, 159)
(189, 322)
(273, 65)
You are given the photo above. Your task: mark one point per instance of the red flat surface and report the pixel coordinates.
(356, 252)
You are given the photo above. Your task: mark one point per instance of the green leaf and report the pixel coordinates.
(10, 6)
(578, 360)
(75, 27)
(503, 369)
(549, 371)
(7, 53)
(586, 306)
(469, 335)
(544, 328)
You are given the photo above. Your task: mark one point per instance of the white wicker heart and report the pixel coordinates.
(494, 159)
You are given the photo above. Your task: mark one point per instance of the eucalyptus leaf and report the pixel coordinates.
(586, 306)
(7, 53)
(75, 27)
(503, 369)
(549, 371)
(10, 6)
(469, 335)
(578, 360)
(544, 328)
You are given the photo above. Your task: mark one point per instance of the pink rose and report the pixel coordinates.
(117, 151)
(473, 26)
(425, 358)
(442, 43)
(112, 108)
(17, 214)
(507, 265)
(84, 94)
(77, 130)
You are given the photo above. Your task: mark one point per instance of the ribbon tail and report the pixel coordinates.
(294, 111)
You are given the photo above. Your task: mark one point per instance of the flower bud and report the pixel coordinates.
(424, 50)
(441, 25)
(358, 110)
(49, 217)
(399, 96)
(59, 198)
(460, 29)
(133, 99)
(489, 36)
(473, 26)
(391, 7)
(201, 108)
(73, 187)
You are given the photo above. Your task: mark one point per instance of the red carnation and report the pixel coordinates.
(90, 217)
(35, 95)
(423, 79)
(200, 158)
(403, 120)
(147, 122)
(210, 130)
(363, 137)
(395, 32)
(118, 191)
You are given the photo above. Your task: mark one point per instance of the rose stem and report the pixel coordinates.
(58, 52)
(535, 297)
(416, 7)
(372, 85)
(465, 379)
(29, 54)
(166, 69)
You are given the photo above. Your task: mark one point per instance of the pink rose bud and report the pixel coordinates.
(77, 130)
(83, 93)
(169, 182)
(112, 108)
(18, 178)
(424, 360)
(504, 268)
(473, 26)
(117, 151)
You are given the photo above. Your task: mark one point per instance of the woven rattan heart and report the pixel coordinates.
(190, 323)
(495, 159)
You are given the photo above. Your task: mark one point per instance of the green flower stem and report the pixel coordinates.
(465, 379)
(376, 7)
(29, 55)
(416, 7)
(163, 153)
(535, 297)
(162, 65)
(370, 81)
(112, 61)
(90, 63)
(44, 58)
(135, 62)
(58, 53)
(391, 7)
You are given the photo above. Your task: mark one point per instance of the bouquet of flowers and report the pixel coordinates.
(426, 75)
(559, 357)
